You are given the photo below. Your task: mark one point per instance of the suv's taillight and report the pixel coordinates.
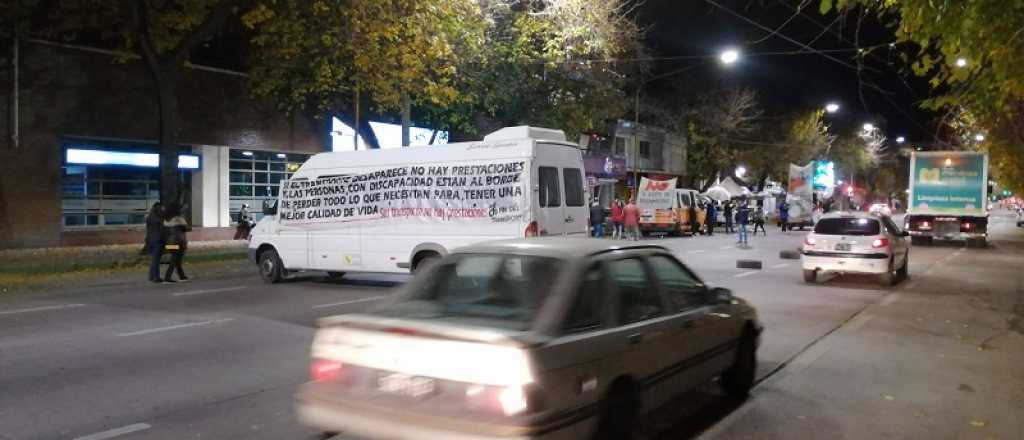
(531, 230)
(880, 243)
(324, 370)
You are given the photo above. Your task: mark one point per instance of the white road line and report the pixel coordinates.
(200, 292)
(695, 251)
(116, 432)
(745, 274)
(174, 327)
(40, 309)
(728, 247)
(372, 298)
(780, 265)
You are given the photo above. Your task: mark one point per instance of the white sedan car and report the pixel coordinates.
(544, 338)
(856, 242)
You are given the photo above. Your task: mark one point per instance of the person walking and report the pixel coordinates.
(617, 218)
(742, 220)
(759, 220)
(710, 218)
(597, 219)
(728, 217)
(784, 215)
(245, 223)
(155, 240)
(631, 220)
(176, 244)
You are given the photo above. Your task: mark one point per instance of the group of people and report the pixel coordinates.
(625, 220)
(166, 232)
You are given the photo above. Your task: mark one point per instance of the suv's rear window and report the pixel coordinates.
(847, 226)
(502, 291)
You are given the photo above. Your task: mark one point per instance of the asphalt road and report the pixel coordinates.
(221, 358)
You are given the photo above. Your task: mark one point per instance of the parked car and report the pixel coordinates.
(856, 242)
(880, 208)
(542, 338)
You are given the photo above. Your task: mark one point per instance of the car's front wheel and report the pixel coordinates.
(739, 378)
(810, 276)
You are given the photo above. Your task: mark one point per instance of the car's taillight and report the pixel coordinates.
(531, 230)
(513, 400)
(506, 400)
(809, 240)
(965, 226)
(925, 225)
(324, 370)
(880, 243)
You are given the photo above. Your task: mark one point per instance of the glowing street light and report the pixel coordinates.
(961, 62)
(741, 171)
(979, 137)
(729, 56)
(869, 126)
(832, 107)
(900, 140)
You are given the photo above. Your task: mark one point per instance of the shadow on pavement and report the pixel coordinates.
(690, 414)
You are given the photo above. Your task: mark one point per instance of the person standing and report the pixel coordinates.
(155, 240)
(742, 220)
(784, 215)
(728, 216)
(710, 218)
(759, 220)
(177, 243)
(617, 217)
(631, 220)
(597, 219)
(691, 212)
(244, 223)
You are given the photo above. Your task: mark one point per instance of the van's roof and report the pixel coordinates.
(487, 150)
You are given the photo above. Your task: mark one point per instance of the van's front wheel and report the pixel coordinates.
(425, 260)
(271, 268)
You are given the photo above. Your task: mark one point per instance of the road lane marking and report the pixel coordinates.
(780, 265)
(175, 327)
(116, 432)
(41, 309)
(695, 251)
(372, 298)
(744, 274)
(727, 247)
(200, 292)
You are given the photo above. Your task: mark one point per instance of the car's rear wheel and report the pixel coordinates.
(903, 273)
(620, 414)
(889, 277)
(271, 268)
(810, 276)
(739, 378)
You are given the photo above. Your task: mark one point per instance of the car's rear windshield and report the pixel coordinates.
(502, 291)
(847, 226)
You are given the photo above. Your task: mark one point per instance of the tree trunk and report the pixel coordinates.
(406, 118)
(165, 79)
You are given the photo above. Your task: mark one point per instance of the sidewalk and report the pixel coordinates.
(940, 358)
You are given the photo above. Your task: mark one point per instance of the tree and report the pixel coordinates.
(804, 137)
(715, 127)
(327, 54)
(164, 33)
(973, 54)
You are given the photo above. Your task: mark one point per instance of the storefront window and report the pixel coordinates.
(103, 195)
(256, 176)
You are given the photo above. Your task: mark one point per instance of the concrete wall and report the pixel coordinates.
(67, 92)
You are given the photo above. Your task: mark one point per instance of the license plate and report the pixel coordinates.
(842, 246)
(405, 385)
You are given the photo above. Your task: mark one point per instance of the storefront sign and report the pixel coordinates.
(487, 192)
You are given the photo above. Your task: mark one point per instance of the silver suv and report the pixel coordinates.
(856, 242)
(542, 338)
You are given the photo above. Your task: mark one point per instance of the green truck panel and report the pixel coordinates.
(949, 183)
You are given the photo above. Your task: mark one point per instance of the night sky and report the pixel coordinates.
(685, 28)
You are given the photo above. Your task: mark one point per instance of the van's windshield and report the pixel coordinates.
(502, 291)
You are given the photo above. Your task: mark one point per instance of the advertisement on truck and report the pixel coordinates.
(948, 197)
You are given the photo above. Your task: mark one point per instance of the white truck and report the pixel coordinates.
(948, 197)
(399, 210)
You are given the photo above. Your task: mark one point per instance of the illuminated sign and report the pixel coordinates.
(148, 160)
(824, 175)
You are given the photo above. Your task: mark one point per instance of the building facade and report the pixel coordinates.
(617, 158)
(83, 169)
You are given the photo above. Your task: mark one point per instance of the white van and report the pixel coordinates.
(397, 210)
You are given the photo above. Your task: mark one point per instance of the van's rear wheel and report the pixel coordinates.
(424, 260)
(271, 268)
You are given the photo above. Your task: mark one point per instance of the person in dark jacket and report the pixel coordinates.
(711, 218)
(176, 244)
(154, 240)
(742, 220)
(691, 212)
(784, 215)
(597, 219)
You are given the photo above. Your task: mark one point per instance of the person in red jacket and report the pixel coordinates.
(632, 220)
(617, 217)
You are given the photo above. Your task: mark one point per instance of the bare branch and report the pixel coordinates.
(209, 26)
(140, 13)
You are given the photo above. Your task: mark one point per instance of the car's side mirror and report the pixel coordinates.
(720, 295)
(270, 207)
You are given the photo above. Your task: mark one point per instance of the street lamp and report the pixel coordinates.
(869, 126)
(832, 107)
(729, 56)
(979, 137)
(961, 62)
(741, 171)
(900, 139)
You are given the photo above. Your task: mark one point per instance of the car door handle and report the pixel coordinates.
(636, 338)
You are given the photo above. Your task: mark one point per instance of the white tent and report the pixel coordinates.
(718, 193)
(735, 189)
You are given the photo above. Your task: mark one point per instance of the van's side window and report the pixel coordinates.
(549, 194)
(573, 187)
